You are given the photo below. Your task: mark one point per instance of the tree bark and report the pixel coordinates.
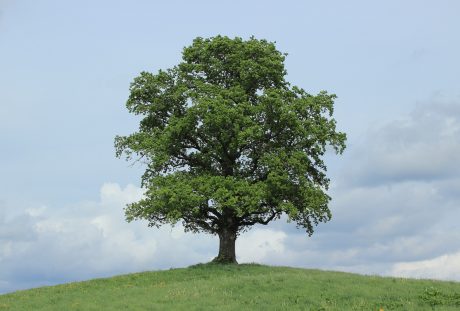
(227, 238)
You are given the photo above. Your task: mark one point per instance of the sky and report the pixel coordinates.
(65, 70)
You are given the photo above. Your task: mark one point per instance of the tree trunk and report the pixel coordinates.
(227, 238)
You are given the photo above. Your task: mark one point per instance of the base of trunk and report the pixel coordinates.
(224, 260)
(227, 238)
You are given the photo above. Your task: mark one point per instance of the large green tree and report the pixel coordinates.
(228, 143)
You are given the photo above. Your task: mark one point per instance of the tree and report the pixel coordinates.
(228, 143)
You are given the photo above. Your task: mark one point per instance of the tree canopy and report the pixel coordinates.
(228, 143)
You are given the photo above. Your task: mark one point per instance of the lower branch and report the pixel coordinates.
(261, 220)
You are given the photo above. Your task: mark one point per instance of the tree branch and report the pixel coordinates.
(213, 211)
(260, 220)
(201, 223)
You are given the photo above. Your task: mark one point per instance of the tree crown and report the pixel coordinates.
(227, 142)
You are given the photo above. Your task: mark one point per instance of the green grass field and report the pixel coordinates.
(240, 287)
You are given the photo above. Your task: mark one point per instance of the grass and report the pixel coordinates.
(240, 287)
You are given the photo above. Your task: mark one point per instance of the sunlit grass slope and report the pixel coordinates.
(240, 287)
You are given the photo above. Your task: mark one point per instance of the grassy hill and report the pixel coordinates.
(240, 287)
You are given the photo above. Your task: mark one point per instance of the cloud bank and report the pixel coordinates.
(424, 146)
(446, 267)
(43, 246)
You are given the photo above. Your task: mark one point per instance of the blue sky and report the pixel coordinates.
(65, 69)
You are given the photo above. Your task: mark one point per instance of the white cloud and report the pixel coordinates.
(445, 267)
(34, 212)
(259, 245)
(111, 193)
